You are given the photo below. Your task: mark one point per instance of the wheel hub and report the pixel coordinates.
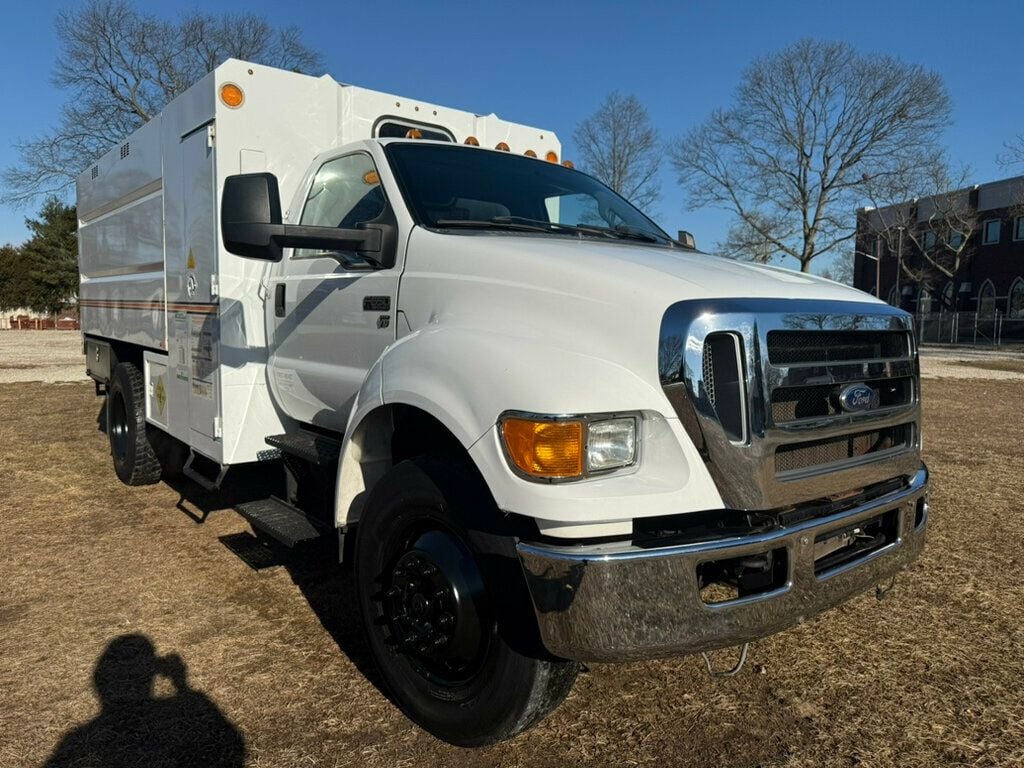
(433, 603)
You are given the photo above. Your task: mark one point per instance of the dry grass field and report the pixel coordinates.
(130, 634)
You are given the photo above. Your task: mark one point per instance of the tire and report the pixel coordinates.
(135, 461)
(445, 608)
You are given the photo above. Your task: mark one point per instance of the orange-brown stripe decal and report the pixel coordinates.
(198, 308)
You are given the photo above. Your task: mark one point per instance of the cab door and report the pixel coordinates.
(330, 315)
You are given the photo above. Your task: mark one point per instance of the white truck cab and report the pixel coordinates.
(554, 433)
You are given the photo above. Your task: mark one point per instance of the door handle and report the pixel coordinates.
(279, 300)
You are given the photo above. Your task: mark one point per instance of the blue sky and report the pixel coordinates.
(550, 64)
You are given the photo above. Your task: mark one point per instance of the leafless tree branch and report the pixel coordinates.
(618, 146)
(810, 125)
(120, 66)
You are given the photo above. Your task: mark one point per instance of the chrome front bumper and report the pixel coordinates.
(615, 603)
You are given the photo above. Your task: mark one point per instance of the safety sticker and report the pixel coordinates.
(161, 394)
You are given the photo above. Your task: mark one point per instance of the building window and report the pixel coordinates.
(1015, 302)
(987, 299)
(929, 240)
(1018, 228)
(990, 232)
(894, 296)
(956, 239)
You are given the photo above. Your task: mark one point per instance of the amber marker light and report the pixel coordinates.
(551, 157)
(568, 164)
(231, 95)
(502, 146)
(371, 178)
(414, 133)
(545, 449)
(472, 141)
(530, 153)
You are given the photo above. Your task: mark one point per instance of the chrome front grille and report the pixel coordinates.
(815, 454)
(787, 347)
(797, 441)
(817, 400)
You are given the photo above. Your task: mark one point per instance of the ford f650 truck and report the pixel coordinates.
(544, 431)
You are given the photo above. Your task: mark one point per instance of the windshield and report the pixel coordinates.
(467, 188)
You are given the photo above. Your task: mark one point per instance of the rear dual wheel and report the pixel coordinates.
(446, 611)
(135, 460)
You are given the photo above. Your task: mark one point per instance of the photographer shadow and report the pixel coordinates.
(134, 727)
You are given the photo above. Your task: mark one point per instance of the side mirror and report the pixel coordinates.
(250, 224)
(686, 240)
(250, 215)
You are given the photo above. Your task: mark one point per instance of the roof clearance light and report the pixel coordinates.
(231, 95)
(502, 146)
(414, 133)
(551, 156)
(472, 141)
(530, 153)
(568, 164)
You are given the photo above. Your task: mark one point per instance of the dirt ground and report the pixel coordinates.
(41, 356)
(130, 631)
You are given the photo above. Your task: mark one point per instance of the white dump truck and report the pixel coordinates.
(544, 431)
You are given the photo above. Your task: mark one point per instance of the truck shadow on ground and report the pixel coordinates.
(326, 584)
(135, 727)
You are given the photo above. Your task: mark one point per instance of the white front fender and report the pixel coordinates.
(467, 378)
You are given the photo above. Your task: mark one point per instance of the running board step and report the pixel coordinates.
(281, 521)
(313, 447)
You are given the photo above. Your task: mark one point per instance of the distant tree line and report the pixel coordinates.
(41, 274)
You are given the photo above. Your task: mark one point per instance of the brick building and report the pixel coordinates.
(991, 281)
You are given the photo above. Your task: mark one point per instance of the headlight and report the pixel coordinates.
(557, 448)
(611, 444)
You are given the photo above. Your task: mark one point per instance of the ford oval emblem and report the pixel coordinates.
(857, 397)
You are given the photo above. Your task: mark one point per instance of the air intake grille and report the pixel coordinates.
(802, 456)
(125, 150)
(793, 347)
(724, 384)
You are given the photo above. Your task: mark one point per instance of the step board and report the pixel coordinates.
(281, 521)
(315, 448)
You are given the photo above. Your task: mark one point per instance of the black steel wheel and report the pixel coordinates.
(135, 461)
(445, 607)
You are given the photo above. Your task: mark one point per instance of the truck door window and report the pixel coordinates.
(346, 192)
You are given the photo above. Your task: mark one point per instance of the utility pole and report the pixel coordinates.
(899, 269)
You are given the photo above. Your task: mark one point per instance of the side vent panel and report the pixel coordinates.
(724, 383)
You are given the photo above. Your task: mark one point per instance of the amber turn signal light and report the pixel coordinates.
(472, 141)
(551, 156)
(502, 146)
(545, 449)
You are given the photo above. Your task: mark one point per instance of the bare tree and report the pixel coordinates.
(926, 219)
(810, 126)
(841, 268)
(120, 66)
(618, 146)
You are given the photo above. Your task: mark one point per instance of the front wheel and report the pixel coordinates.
(445, 608)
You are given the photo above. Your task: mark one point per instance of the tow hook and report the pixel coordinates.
(881, 590)
(727, 672)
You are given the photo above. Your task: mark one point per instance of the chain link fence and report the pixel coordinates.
(992, 329)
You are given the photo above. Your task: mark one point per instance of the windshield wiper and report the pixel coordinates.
(524, 224)
(620, 230)
(492, 224)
